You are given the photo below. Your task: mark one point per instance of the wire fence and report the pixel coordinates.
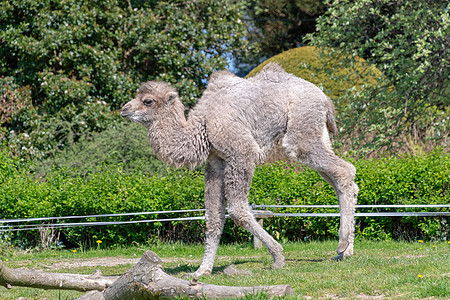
(10, 225)
(363, 214)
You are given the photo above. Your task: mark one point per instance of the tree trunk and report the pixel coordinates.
(145, 280)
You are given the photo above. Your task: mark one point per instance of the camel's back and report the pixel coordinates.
(270, 92)
(254, 109)
(237, 100)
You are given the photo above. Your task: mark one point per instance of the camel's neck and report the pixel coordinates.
(179, 142)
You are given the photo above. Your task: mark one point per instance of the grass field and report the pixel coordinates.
(378, 270)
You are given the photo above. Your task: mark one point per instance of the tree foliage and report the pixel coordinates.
(408, 41)
(79, 60)
(279, 25)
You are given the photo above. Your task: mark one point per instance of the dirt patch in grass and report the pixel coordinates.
(113, 262)
(90, 262)
(409, 256)
(104, 262)
(359, 296)
(364, 296)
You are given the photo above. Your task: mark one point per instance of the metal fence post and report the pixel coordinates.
(260, 215)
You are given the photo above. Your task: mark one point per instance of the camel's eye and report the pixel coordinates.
(148, 102)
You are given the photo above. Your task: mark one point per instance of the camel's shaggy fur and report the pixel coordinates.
(233, 127)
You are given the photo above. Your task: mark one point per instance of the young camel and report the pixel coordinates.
(233, 127)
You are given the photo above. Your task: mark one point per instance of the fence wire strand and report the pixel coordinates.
(15, 224)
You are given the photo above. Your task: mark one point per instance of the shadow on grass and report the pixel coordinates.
(306, 260)
(183, 269)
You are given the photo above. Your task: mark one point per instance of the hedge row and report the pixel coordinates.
(408, 180)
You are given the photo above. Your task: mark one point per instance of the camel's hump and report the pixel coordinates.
(220, 74)
(221, 79)
(272, 72)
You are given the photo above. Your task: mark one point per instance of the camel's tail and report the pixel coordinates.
(331, 122)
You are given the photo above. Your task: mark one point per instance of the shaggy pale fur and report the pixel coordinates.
(233, 128)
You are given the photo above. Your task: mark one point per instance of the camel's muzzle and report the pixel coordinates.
(126, 113)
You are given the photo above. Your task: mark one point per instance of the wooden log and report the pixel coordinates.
(44, 280)
(145, 280)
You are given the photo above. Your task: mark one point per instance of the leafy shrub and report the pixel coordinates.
(47, 134)
(124, 145)
(408, 180)
(410, 103)
(105, 192)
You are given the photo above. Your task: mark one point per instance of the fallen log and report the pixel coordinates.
(145, 280)
(60, 281)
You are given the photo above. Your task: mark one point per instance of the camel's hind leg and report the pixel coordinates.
(238, 176)
(215, 213)
(315, 151)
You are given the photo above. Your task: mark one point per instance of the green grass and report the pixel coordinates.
(388, 269)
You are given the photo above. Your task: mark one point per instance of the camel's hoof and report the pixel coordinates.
(343, 255)
(339, 257)
(279, 263)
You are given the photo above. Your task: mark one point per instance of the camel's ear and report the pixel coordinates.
(170, 97)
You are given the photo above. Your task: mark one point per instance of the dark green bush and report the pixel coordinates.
(408, 180)
(125, 144)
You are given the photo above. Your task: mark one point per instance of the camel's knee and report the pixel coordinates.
(344, 176)
(351, 169)
(345, 171)
(214, 227)
(352, 175)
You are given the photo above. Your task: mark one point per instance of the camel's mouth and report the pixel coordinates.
(126, 114)
(132, 116)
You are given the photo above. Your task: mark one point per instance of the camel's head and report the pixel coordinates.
(153, 101)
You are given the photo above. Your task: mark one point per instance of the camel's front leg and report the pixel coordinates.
(237, 179)
(215, 214)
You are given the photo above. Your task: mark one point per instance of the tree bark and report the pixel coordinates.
(145, 280)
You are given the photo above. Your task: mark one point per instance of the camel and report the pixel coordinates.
(233, 127)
